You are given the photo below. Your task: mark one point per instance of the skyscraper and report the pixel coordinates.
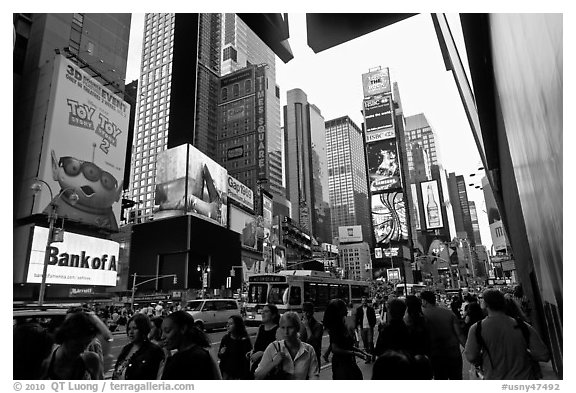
(461, 207)
(420, 136)
(306, 166)
(475, 224)
(178, 99)
(348, 188)
(241, 47)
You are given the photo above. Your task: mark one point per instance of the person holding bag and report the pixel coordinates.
(233, 348)
(266, 334)
(289, 358)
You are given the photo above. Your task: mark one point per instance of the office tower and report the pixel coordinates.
(47, 47)
(475, 224)
(306, 166)
(461, 207)
(355, 261)
(421, 138)
(348, 188)
(500, 242)
(241, 47)
(178, 97)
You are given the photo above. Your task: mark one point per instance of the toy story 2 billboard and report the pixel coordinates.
(84, 148)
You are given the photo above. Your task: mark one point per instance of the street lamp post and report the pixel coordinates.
(203, 270)
(52, 217)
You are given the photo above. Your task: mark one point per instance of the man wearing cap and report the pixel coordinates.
(311, 330)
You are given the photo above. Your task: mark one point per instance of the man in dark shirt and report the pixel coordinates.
(311, 330)
(365, 321)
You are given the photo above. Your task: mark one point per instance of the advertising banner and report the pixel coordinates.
(416, 204)
(260, 106)
(84, 148)
(189, 182)
(78, 260)
(393, 274)
(350, 234)
(432, 206)
(389, 217)
(279, 258)
(378, 118)
(246, 225)
(376, 82)
(383, 165)
(240, 193)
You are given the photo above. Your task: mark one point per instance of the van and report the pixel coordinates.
(212, 313)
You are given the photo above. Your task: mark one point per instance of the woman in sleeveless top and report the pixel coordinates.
(266, 335)
(69, 359)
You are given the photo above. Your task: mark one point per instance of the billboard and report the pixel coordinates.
(416, 209)
(432, 204)
(78, 260)
(246, 225)
(378, 119)
(84, 148)
(189, 182)
(267, 224)
(383, 165)
(376, 82)
(260, 106)
(389, 217)
(240, 193)
(350, 234)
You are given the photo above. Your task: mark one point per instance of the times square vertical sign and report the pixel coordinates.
(260, 81)
(388, 210)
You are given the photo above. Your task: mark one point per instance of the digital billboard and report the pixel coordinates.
(246, 225)
(267, 223)
(240, 192)
(84, 148)
(378, 119)
(432, 204)
(383, 165)
(350, 234)
(389, 217)
(78, 260)
(189, 182)
(376, 82)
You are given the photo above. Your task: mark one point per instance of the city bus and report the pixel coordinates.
(413, 289)
(288, 289)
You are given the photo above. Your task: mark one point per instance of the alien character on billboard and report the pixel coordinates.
(97, 190)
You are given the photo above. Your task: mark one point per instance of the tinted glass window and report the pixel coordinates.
(195, 305)
(257, 293)
(295, 296)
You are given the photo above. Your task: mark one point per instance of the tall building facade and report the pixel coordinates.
(178, 96)
(348, 188)
(355, 261)
(306, 166)
(475, 223)
(241, 47)
(67, 67)
(461, 207)
(419, 134)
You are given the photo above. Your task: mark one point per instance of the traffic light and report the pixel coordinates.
(175, 279)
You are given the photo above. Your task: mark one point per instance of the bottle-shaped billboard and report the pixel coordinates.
(432, 209)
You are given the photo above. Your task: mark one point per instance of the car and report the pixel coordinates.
(212, 313)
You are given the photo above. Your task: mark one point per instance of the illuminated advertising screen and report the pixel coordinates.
(78, 260)
(279, 258)
(350, 234)
(260, 106)
(389, 217)
(240, 193)
(376, 82)
(432, 204)
(416, 204)
(246, 225)
(84, 148)
(189, 182)
(383, 165)
(378, 118)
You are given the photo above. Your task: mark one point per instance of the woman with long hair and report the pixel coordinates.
(344, 352)
(192, 359)
(293, 358)
(266, 334)
(70, 359)
(140, 358)
(233, 348)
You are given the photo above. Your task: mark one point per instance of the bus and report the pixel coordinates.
(413, 289)
(288, 289)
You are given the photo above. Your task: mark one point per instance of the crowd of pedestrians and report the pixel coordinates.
(417, 338)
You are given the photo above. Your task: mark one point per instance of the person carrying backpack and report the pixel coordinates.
(503, 347)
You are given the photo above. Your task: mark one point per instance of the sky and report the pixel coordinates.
(332, 80)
